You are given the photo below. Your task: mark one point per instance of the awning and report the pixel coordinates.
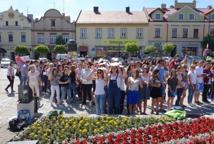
(83, 48)
(2, 50)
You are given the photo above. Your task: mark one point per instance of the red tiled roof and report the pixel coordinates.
(112, 17)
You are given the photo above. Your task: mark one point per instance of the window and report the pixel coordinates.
(53, 23)
(16, 23)
(174, 32)
(65, 37)
(6, 23)
(195, 33)
(191, 17)
(185, 32)
(157, 16)
(157, 32)
(123, 33)
(212, 32)
(83, 33)
(98, 33)
(139, 32)
(212, 16)
(23, 37)
(52, 38)
(110, 33)
(10, 37)
(181, 17)
(40, 38)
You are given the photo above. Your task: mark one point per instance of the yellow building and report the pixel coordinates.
(101, 33)
(15, 29)
(182, 24)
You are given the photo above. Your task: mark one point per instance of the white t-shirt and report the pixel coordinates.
(86, 73)
(199, 71)
(100, 84)
(193, 77)
(33, 77)
(135, 83)
(122, 84)
(115, 77)
(145, 79)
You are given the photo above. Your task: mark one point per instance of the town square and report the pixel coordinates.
(107, 72)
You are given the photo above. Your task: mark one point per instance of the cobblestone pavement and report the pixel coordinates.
(8, 108)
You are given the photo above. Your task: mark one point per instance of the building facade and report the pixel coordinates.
(102, 33)
(15, 29)
(183, 24)
(52, 24)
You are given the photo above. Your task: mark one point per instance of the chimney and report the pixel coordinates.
(209, 7)
(163, 6)
(96, 9)
(128, 10)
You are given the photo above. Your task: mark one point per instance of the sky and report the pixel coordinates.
(73, 7)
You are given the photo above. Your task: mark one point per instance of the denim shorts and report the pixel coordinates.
(199, 87)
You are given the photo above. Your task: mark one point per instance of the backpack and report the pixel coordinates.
(24, 115)
(16, 125)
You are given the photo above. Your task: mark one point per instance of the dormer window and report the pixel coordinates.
(16, 23)
(191, 17)
(181, 17)
(53, 23)
(158, 16)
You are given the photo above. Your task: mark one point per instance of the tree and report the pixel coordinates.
(22, 50)
(168, 47)
(41, 50)
(131, 47)
(60, 49)
(208, 42)
(60, 40)
(150, 49)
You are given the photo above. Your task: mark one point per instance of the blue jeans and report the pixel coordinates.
(65, 91)
(100, 104)
(73, 90)
(190, 94)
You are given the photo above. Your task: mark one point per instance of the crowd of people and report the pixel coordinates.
(119, 88)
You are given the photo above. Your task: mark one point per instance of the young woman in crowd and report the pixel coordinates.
(192, 78)
(44, 79)
(133, 95)
(185, 82)
(172, 88)
(100, 96)
(54, 78)
(207, 82)
(155, 85)
(180, 85)
(86, 80)
(34, 80)
(145, 91)
(72, 83)
(114, 93)
(64, 82)
(10, 77)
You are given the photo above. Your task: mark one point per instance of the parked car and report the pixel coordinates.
(62, 56)
(5, 62)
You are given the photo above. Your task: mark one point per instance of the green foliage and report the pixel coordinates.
(41, 49)
(208, 40)
(60, 40)
(22, 50)
(150, 49)
(60, 49)
(168, 47)
(131, 47)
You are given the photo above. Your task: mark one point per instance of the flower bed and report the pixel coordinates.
(160, 133)
(60, 128)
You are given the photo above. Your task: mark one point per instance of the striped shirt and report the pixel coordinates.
(10, 71)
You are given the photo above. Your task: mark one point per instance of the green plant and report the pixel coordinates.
(22, 50)
(131, 47)
(41, 49)
(168, 47)
(150, 49)
(60, 49)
